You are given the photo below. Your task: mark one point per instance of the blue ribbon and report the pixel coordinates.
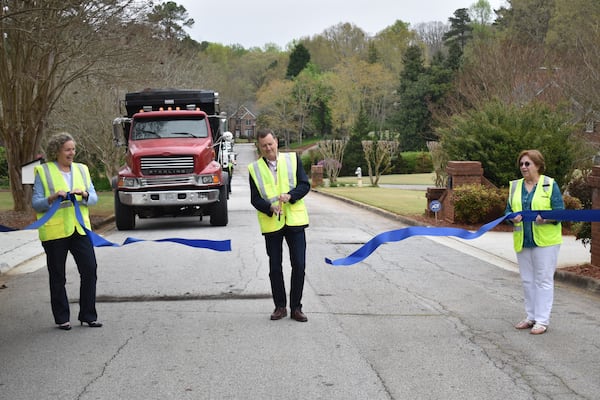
(99, 241)
(400, 234)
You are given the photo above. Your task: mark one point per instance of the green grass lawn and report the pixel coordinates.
(105, 206)
(398, 179)
(399, 201)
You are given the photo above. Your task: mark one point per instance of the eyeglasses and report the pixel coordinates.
(526, 163)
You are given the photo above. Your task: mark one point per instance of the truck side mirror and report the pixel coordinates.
(121, 128)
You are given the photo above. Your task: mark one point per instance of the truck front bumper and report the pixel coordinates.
(169, 198)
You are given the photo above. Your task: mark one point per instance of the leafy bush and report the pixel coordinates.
(307, 162)
(474, 204)
(497, 133)
(413, 162)
(423, 163)
(579, 189)
(571, 203)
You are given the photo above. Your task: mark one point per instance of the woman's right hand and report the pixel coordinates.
(60, 194)
(517, 219)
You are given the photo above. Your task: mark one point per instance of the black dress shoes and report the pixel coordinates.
(65, 327)
(279, 313)
(298, 315)
(92, 324)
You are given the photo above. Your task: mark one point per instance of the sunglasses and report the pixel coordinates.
(526, 163)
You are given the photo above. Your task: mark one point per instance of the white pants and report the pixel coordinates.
(537, 266)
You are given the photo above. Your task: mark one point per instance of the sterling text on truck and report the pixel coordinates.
(173, 165)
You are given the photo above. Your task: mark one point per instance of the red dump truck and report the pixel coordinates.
(173, 157)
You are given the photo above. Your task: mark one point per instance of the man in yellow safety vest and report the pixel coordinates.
(278, 184)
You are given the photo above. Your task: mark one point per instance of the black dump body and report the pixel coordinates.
(206, 100)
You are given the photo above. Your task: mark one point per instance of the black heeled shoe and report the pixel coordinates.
(92, 324)
(65, 327)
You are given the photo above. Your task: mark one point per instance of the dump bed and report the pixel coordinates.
(206, 100)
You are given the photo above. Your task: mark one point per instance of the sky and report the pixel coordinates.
(256, 23)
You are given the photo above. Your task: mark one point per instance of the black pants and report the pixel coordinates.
(83, 253)
(296, 241)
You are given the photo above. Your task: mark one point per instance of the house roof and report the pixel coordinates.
(243, 112)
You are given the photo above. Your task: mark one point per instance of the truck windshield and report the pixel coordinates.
(169, 128)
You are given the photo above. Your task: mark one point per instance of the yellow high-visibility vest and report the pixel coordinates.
(63, 223)
(543, 234)
(293, 214)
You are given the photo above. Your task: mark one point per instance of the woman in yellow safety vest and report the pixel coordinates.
(536, 243)
(62, 233)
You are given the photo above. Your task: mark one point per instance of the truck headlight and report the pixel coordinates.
(129, 182)
(207, 179)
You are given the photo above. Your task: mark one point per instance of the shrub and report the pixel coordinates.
(579, 189)
(474, 204)
(423, 163)
(413, 162)
(571, 203)
(496, 133)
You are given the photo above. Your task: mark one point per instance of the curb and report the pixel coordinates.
(583, 282)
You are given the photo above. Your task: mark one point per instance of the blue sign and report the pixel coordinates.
(435, 206)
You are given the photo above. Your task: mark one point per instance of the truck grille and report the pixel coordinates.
(168, 181)
(167, 165)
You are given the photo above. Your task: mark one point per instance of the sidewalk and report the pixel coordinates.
(17, 248)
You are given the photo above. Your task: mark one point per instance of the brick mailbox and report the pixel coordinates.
(459, 173)
(316, 175)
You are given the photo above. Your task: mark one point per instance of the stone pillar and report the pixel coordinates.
(594, 181)
(459, 173)
(316, 174)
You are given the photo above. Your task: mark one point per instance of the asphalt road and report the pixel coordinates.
(416, 320)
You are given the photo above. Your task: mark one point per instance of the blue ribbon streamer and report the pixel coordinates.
(400, 234)
(99, 241)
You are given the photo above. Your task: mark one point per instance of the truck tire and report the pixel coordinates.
(218, 215)
(124, 215)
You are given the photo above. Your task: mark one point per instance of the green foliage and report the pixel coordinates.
(308, 161)
(169, 19)
(101, 181)
(420, 89)
(413, 162)
(354, 156)
(299, 58)
(496, 134)
(474, 204)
